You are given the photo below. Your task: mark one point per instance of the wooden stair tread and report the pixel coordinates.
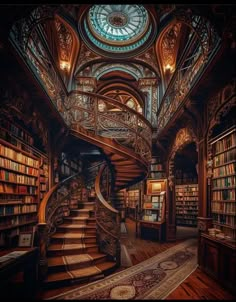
(77, 226)
(72, 235)
(62, 246)
(86, 203)
(73, 259)
(80, 210)
(81, 272)
(80, 218)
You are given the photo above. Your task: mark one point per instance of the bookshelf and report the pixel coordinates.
(43, 177)
(23, 181)
(133, 197)
(154, 208)
(186, 198)
(156, 169)
(152, 223)
(223, 204)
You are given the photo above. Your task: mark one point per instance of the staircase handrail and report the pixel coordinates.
(108, 223)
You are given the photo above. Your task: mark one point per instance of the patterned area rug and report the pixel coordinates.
(151, 279)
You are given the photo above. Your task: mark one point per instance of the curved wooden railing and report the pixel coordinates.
(113, 121)
(106, 117)
(54, 206)
(107, 221)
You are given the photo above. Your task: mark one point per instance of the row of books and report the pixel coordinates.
(43, 186)
(224, 170)
(185, 216)
(7, 221)
(224, 158)
(17, 209)
(180, 181)
(17, 178)
(228, 181)
(17, 131)
(225, 144)
(224, 219)
(17, 156)
(186, 193)
(156, 167)
(152, 205)
(151, 217)
(178, 198)
(187, 188)
(186, 211)
(9, 199)
(188, 204)
(190, 222)
(224, 207)
(11, 165)
(225, 194)
(17, 189)
(156, 174)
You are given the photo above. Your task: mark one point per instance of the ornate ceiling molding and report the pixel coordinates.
(169, 42)
(65, 39)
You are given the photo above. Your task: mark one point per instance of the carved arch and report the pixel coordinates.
(183, 137)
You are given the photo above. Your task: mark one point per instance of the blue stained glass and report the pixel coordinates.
(118, 28)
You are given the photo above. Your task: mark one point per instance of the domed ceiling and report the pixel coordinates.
(117, 29)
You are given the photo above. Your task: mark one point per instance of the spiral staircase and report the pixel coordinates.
(82, 244)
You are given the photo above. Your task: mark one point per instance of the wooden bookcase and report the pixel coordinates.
(152, 223)
(223, 204)
(23, 181)
(132, 206)
(156, 169)
(186, 198)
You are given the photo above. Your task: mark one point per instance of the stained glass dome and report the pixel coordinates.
(117, 28)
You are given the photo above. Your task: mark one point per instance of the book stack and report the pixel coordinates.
(213, 232)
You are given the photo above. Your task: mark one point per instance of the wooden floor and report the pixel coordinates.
(198, 286)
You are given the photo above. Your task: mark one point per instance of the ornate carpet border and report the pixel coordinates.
(160, 291)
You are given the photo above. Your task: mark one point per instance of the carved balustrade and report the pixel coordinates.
(113, 120)
(53, 208)
(202, 46)
(107, 220)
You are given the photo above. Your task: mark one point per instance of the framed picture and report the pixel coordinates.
(25, 239)
(155, 187)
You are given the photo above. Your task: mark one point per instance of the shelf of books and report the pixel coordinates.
(223, 204)
(186, 198)
(20, 181)
(154, 208)
(133, 197)
(156, 169)
(154, 201)
(44, 177)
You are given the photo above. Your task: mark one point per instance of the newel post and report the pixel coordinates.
(43, 262)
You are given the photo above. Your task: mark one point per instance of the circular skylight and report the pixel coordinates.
(117, 23)
(117, 28)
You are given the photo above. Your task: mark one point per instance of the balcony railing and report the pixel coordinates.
(201, 48)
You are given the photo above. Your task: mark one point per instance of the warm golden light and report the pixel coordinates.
(64, 65)
(169, 68)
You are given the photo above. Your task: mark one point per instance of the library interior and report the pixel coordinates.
(117, 150)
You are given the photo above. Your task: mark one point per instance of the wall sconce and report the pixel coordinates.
(64, 65)
(168, 68)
